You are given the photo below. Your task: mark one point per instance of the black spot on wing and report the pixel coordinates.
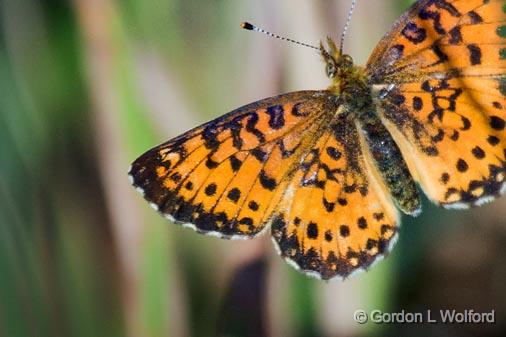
(266, 181)
(493, 140)
(260, 155)
(474, 54)
(497, 123)
(344, 231)
(234, 195)
(296, 111)
(462, 165)
(334, 153)
(362, 223)
(253, 205)
(210, 136)
(211, 164)
(176, 177)
(235, 163)
(312, 230)
(414, 33)
(329, 206)
(455, 35)
(276, 117)
(478, 152)
(342, 201)
(475, 17)
(251, 127)
(417, 103)
(210, 189)
(445, 177)
(328, 236)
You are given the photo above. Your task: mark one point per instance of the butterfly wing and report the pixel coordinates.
(294, 162)
(440, 80)
(335, 216)
(221, 177)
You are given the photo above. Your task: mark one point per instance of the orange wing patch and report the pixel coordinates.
(441, 81)
(334, 217)
(220, 178)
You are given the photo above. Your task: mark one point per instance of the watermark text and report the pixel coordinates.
(448, 316)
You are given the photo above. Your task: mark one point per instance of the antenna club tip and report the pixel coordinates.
(247, 26)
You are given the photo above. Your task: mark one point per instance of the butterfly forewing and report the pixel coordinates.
(441, 81)
(222, 176)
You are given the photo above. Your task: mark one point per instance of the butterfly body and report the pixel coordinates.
(327, 170)
(353, 90)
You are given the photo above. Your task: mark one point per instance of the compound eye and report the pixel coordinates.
(331, 70)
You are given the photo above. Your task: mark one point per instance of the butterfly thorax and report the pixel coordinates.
(349, 81)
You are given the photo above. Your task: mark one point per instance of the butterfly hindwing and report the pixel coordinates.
(221, 177)
(334, 217)
(440, 76)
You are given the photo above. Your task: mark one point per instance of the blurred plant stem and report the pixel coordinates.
(54, 229)
(122, 133)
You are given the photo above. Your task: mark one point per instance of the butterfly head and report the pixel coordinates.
(339, 67)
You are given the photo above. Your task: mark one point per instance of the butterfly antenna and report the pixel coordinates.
(347, 25)
(249, 26)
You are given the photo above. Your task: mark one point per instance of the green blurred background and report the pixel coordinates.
(88, 85)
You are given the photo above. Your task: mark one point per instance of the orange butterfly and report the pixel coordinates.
(327, 170)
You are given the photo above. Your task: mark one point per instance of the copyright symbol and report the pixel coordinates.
(360, 316)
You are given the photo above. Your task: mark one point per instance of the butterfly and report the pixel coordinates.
(328, 171)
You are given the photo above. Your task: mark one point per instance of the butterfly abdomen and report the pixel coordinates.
(388, 160)
(380, 148)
